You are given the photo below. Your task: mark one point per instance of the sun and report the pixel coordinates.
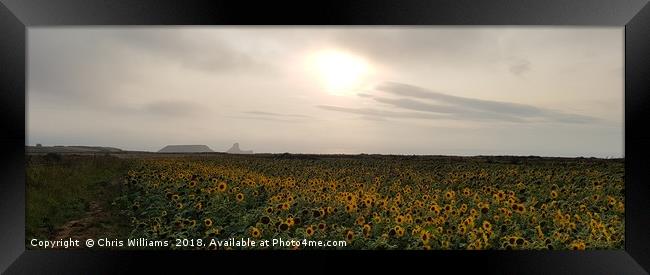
(341, 73)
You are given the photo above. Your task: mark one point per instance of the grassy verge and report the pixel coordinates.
(62, 188)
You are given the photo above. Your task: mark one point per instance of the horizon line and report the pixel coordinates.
(326, 154)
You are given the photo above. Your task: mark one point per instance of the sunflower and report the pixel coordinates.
(255, 232)
(400, 231)
(349, 198)
(349, 235)
(283, 227)
(520, 208)
(222, 187)
(368, 202)
(449, 195)
(520, 241)
(192, 184)
(309, 231)
(207, 222)
(611, 200)
(321, 226)
(376, 218)
(473, 212)
(367, 230)
(240, 197)
(425, 237)
(554, 194)
(316, 213)
(487, 226)
(330, 210)
(265, 220)
(462, 229)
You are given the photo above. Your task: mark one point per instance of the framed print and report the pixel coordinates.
(418, 133)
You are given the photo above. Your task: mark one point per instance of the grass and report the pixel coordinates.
(61, 188)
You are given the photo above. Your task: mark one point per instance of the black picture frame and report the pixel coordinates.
(18, 15)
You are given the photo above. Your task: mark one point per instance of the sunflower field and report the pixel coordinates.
(381, 202)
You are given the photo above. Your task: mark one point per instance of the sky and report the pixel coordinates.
(545, 91)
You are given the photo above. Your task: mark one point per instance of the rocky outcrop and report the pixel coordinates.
(235, 150)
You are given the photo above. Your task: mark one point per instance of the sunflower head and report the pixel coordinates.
(309, 231)
(349, 235)
(256, 232)
(283, 227)
(487, 225)
(367, 230)
(192, 184)
(425, 237)
(222, 187)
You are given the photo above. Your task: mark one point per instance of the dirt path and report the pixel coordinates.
(86, 227)
(97, 222)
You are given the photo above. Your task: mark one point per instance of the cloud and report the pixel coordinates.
(190, 49)
(479, 104)
(73, 69)
(272, 116)
(419, 106)
(488, 107)
(276, 114)
(520, 66)
(373, 118)
(172, 108)
(431, 46)
(455, 107)
(456, 111)
(381, 113)
(262, 118)
(92, 66)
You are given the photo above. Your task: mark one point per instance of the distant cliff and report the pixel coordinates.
(71, 149)
(185, 149)
(235, 150)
